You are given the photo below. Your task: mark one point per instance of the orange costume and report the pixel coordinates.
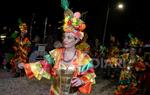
(63, 72)
(21, 48)
(128, 82)
(54, 67)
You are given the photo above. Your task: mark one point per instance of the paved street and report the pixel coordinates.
(24, 86)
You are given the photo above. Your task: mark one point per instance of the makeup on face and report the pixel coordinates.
(69, 40)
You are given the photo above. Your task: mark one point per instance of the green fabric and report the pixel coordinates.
(9, 57)
(49, 59)
(14, 35)
(87, 67)
(19, 21)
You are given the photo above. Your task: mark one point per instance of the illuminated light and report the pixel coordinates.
(59, 28)
(120, 6)
(3, 36)
(128, 68)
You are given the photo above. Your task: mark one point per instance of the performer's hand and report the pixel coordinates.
(21, 65)
(76, 82)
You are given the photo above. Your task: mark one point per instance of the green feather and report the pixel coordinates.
(19, 21)
(65, 4)
(130, 35)
(14, 35)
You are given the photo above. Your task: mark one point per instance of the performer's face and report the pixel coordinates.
(132, 51)
(69, 40)
(22, 34)
(23, 27)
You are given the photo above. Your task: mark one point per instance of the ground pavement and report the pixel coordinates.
(24, 86)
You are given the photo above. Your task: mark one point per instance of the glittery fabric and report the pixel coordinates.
(61, 73)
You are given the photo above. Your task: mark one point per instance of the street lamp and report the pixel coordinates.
(106, 21)
(120, 6)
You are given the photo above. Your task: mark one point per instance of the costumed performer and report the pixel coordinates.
(70, 70)
(21, 47)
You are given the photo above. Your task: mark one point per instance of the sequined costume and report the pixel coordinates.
(54, 68)
(128, 82)
(21, 48)
(85, 47)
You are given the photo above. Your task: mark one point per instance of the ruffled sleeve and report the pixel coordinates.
(41, 68)
(87, 74)
(139, 66)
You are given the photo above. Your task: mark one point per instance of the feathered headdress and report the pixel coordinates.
(72, 21)
(134, 41)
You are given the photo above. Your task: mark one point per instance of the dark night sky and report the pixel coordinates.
(133, 19)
